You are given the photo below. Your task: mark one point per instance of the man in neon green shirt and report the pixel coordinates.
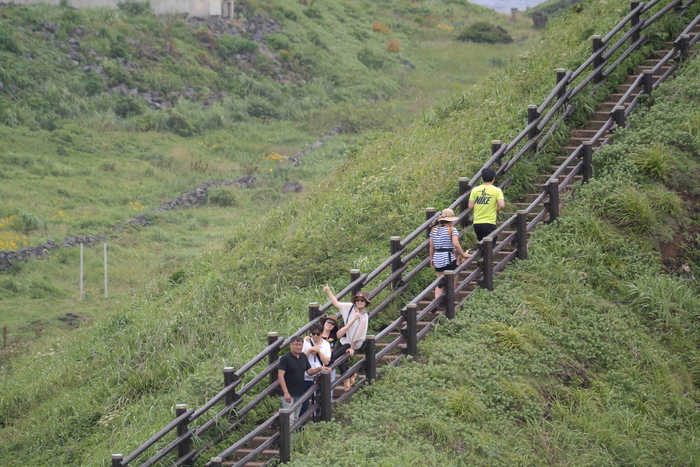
(486, 201)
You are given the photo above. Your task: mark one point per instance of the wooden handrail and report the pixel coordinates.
(541, 122)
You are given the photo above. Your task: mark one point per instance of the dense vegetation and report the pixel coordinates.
(558, 321)
(586, 354)
(81, 87)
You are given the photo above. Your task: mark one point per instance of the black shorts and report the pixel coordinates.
(450, 267)
(483, 230)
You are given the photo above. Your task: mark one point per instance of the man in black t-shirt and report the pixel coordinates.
(290, 373)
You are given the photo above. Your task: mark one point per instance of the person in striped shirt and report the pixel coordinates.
(444, 247)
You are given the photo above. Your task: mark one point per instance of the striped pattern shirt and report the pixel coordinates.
(442, 241)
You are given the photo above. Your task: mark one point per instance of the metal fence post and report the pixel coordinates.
(553, 189)
(487, 255)
(634, 21)
(429, 213)
(587, 161)
(449, 294)
(354, 275)
(464, 187)
(561, 73)
(371, 358)
(411, 329)
(326, 394)
(598, 60)
(313, 311)
(285, 438)
(648, 82)
(522, 234)
(184, 447)
(396, 264)
(274, 354)
(117, 460)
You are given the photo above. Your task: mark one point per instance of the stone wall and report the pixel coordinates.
(192, 7)
(196, 197)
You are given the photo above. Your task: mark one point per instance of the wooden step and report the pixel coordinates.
(249, 464)
(595, 124)
(267, 453)
(583, 133)
(618, 95)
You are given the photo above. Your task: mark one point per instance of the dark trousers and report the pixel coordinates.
(305, 405)
(337, 353)
(483, 230)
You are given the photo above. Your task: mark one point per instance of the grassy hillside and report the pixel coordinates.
(109, 113)
(586, 354)
(107, 387)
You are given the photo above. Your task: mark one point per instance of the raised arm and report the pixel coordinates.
(332, 298)
(351, 319)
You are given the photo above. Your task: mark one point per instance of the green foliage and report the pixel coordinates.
(276, 41)
(371, 58)
(486, 33)
(127, 106)
(656, 161)
(232, 45)
(222, 196)
(7, 41)
(135, 8)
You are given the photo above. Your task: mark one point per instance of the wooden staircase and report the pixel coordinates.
(576, 138)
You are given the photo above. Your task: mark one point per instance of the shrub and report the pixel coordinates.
(127, 106)
(30, 221)
(371, 59)
(134, 8)
(7, 42)
(485, 32)
(380, 28)
(393, 46)
(178, 123)
(276, 41)
(93, 83)
(232, 45)
(222, 196)
(655, 161)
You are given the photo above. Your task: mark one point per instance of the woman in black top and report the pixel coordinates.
(330, 330)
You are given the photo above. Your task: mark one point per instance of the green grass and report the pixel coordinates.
(109, 386)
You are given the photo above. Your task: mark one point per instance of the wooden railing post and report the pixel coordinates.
(313, 311)
(429, 213)
(449, 294)
(230, 377)
(117, 460)
(326, 395)
(495, 146)
(396, 264)
(354, 275)
(561, 73)
(464, 187)
(184, 447)
(522, 234)
(371, 358)
(553, 189)
(587, 161)
(411, 311)
(634, 21)
(619, 117)
(597, 61)
(487, 262)
(648, 82)
(274, 354)
(532, 116)
(285, 439)
(684, 46)
(216, 461)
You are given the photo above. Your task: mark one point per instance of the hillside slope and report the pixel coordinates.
(586, 354)
(108, 387)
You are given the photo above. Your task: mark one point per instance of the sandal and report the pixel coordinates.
(347, 384)
(352, 379)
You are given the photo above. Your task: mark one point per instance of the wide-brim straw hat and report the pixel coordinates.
(361, 295)
(330, 318)
(447, 215)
